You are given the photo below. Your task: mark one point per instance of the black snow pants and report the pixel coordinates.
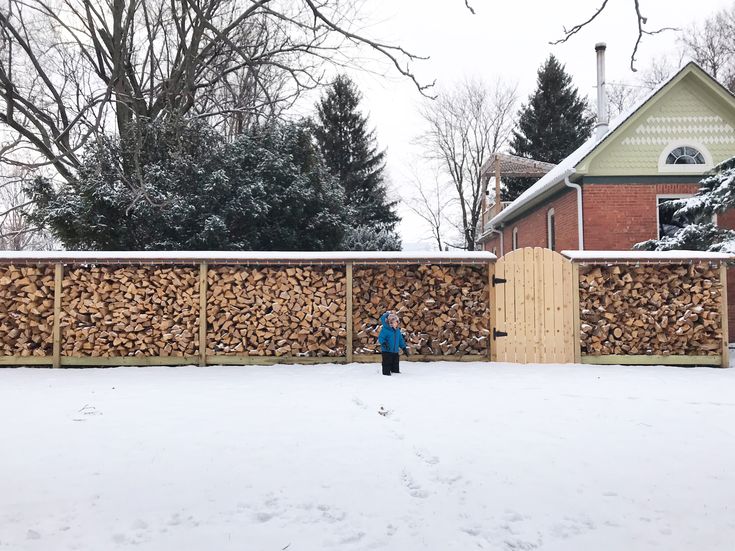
(390, 363)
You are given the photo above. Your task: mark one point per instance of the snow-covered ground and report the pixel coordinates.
(469, 456)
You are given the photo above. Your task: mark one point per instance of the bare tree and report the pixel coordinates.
(641, 21)
(17, 232)
(622, 96)
(464, 127)
(70, 69)
(432, 204)
(712, 45)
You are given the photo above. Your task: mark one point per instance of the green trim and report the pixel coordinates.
(674, 179)
(652, 360)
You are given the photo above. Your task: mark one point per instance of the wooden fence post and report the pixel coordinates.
(348, 291)
(492, 353)
(58, 278)
(203, 314)
(723, 313)
(576, 324)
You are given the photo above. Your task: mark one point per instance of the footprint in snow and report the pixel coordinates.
(359, 403)
(413, 487)
(425, 456)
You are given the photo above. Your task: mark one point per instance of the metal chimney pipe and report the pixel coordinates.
(602, 117)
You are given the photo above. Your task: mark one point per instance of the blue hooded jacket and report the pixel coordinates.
(391, 340)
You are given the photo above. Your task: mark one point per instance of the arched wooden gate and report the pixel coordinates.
(534, 307)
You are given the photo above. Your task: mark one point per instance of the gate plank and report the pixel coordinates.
(529, 292)
(539, 305)
(559, 312)
(514, 294)
(551, 348)
(500, 351)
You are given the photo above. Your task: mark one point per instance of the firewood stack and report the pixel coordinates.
(276, 311)
(26, 310)
(130, 311)
(650, 309)
(443, 309)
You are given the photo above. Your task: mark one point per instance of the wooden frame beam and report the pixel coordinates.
(723, 313)
(58, 280)
(203, 289)
(652, 360)
(348, 314)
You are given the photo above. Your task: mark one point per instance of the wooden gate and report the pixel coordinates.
(534, 307)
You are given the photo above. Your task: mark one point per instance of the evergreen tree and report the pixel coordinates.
(351, 153)
(267, 190)
(715, 195)
(553, 123)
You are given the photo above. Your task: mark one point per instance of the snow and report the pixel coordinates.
(229, 256)
(446, 456)
(645, 255)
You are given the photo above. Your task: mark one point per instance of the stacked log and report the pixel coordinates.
(443, 309)
(130, 311)
(651, 310)
(276, 311)
(26, 310)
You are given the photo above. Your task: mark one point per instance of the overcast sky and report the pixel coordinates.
(508, 39)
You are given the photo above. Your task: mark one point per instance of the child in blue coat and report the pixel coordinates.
(391, 341)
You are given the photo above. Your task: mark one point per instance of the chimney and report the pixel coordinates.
(601, 127)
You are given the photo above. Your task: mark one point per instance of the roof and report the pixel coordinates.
(643, 256)
(516, 167)
(244, 257)
(567, 167)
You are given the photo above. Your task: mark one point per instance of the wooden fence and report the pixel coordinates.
(76, 309)
(80, 309)
(651, 308)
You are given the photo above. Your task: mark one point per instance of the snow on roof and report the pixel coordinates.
(567, 167)
(251, 257)
(656, 256)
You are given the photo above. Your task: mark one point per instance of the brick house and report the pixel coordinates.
(607, 194)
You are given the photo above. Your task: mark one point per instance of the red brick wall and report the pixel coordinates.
(617, 216)
(532, 228)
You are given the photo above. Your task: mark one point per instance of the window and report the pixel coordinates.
(688, 157)
(667, 226)
(685, 156)
(551, 229)
(515, 238)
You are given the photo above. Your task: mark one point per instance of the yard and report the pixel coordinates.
(442, 457)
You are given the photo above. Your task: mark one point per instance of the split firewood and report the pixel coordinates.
(111, 311)
(276, 311)
(26, 310)
(443, 309)
(651, 310)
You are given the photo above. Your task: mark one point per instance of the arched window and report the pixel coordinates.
(515, 238)
(685, 156)
(551, 229)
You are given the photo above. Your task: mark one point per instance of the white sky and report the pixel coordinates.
(507, 39)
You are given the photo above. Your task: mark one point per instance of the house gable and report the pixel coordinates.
(691, 109)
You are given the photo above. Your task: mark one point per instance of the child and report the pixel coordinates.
(391, 341)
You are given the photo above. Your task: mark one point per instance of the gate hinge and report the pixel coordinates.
(497, 280)
(497, 334)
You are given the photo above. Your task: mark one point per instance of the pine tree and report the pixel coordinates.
(350, 151)
(553, 123)
(267, 190)
(715, 195)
